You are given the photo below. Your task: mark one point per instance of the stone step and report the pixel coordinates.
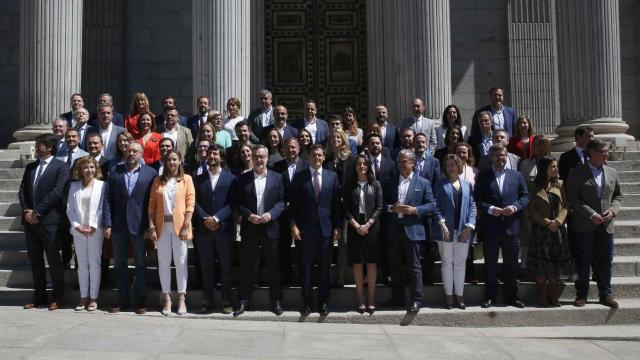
(12, 223)
(632, 200)
(627, 228)
(632, 155)
(342, 304)
(11, 173)
(10, 209)
(629, 176)
(625, 165)
(628, 212)
(11, 163)
(10, 184)
(630, 187)
(9, 196)
(627, 247)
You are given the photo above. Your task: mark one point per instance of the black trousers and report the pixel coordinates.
(210, 246)
(64, 240)
(405, 265)
(41, 241)
(250, 249)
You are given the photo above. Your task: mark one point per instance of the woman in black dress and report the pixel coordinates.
(549, 260)
(363, 207)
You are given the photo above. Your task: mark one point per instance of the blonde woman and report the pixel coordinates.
(84, 209)
(171, 203)
(139, 106)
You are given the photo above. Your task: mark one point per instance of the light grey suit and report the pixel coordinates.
(426, 126)
(77, 153)
(111, 149)
(184, 138)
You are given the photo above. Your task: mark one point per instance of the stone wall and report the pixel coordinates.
(630, 59)
(9, 74)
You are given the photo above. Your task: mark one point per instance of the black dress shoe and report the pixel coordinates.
(306, 310)
(414, 307)
(371, 309)
(121, 306)
(610, 302)
(361, 309)
(205, 308)
(462, 306)
(487, 303)
(244, 306)
(323, 309)
(276, 308)
(517, 303)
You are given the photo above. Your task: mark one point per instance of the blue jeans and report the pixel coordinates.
(596, 247)
(120, 242)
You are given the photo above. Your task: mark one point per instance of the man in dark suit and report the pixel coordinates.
(578, 154)
(41, 192)
(406, 142)
(502, 116)
(76, 102)
(482, 140)
(94, 148)
(595, 199)
(291, 165)
(59, 128)
(281, 114)
(169, 101)
(262, 117)
(214, 226)
(196, 121)
(127, 222)
(260, 201)
(106, 100)
(318, 128)
(502, 194)
(513, 160)
(390, 138)
(107, 130)
(408, 200)
(316, 220)
(80, 122)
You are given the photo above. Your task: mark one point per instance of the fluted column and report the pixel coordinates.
(258, 65)
(409, 55)
(102, 52)
(533, 69)
(50, 62)
(222, 51)
(589, 64)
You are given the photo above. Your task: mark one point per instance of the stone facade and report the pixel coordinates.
(157, 58)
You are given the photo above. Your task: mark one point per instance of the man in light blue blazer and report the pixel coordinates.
(501, 194)
(408, 201)
(503, 116)
(318, 128)
(108, 131)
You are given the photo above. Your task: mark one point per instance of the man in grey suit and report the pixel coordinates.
(513, 160)
(107, 130)
(421, 124)
(180, 135)
(264, 116)
(595, 199)
(72, 151)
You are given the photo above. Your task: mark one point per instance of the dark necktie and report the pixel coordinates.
(584, 157)
(316, 184)
(39, 173)
(70, 158)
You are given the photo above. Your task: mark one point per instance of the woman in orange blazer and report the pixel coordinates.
(171, 205)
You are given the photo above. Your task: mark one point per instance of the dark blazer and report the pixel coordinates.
(514, 192)
(67, 116)
(372, 202)
(255, 123)
(210, 202)
(112, 148)
(118, 119)
(193, 123)
(391, 139)
(182, 120)
(475, 141)
(582, 195)
(430, 169)
(244, 200)
(288, 132)
(46, 198)
(307, 212)
(420, 196)
(128, 213)
(282, 168)
(322, 132)
(509, 119)
(485, 162)
(568, 160)
(388, 170)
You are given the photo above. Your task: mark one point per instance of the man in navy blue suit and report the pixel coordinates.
(127, 221)
(169, 102)
(196, 121)
(77, 102)
(214, 226)
(260, 201)
(502, 194)
(408, 201)
(318, 128)
(280, 114)
(390, 138)
(116, 117)
(316, 220)
(503, 117)
(40, 196)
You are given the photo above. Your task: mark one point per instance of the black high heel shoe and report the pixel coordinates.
(371, 309)
(360, 309)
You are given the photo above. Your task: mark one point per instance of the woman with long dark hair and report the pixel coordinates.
(450, 117)
(550, 260)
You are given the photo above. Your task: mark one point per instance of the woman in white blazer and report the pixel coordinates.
(84, 209)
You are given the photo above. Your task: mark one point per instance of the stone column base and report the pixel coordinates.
(30, 132)
(611, 130)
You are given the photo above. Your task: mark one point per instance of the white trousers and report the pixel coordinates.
(89, 255)
(170, 244)
(453, 255)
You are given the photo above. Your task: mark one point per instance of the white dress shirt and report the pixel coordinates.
(260, 182)
(312, 127)
(498, 119)
(598, 176)
(169, 196)
(40, 169)
(171, 134)
(266, 116)
(403, 189)
(214, 178)
(105, 134)
(291, 169)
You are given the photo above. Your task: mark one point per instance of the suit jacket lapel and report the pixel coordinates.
(448, 188)
(494, 182)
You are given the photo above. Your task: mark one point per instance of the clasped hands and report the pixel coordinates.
(362, 229)
(600, 219)
(85, 230)
(30, 217)
(507, 211)
(259, 219)
(403, 209)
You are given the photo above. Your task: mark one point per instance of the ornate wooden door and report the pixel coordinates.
(316, 50)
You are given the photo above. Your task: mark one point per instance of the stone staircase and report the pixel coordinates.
(15, 275)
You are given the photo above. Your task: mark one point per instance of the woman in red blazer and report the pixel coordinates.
(521, 143)
(149, 139)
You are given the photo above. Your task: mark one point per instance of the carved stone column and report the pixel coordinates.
(409, 55)
(589, 64)
(533, 68)
(222, 51)
(50, 62)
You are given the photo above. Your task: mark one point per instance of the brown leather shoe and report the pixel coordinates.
(610, 302)
(141, 310)
(53, 306)
(580, 302)
(30, 306)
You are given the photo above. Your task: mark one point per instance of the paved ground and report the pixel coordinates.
(64, 334)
